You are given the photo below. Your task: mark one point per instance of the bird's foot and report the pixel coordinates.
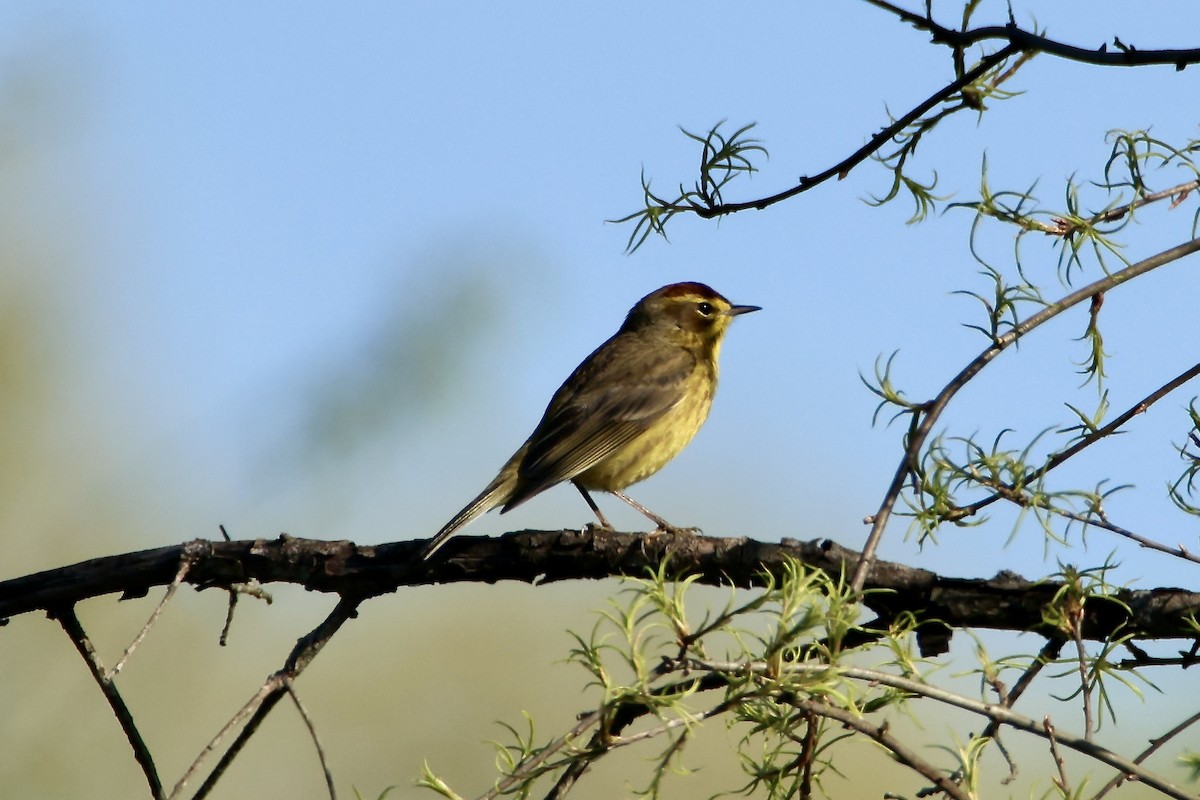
(664, 528)
(674, 536)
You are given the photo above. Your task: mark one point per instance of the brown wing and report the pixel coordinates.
(613, 397)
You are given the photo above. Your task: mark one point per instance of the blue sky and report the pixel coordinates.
(318, 269)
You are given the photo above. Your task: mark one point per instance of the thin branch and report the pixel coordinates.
(223, 639)
(1018, 41)
(1099, 521)
(184, 566)
(879, 733)
(252, 588)
(1085, 441)
(933, 410)
(268, 695)
(1155, 744)
(1064, 784)
(602, 744)
(261, 697)
(141, 752)
(1048, 654)
(613, 718)
(990, 710)
(1064, 228)
(1081, 659)
(290, 685)
(530, 765)
(843, 167)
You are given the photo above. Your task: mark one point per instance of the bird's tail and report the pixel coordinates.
(495, 494)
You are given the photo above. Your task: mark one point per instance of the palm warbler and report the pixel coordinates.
(626, 411)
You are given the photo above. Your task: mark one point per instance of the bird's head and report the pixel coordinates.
(692, 311)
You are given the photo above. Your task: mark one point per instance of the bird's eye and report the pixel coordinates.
(705, 308)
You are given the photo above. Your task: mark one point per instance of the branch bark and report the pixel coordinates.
(1004, 602)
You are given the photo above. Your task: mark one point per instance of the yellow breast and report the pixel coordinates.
(650, 452)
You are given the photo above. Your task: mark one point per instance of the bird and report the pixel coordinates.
(627, 409)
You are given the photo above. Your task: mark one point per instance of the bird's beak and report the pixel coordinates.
(735, 310)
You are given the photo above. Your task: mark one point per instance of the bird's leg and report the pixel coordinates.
(604, 523)
(662, 524)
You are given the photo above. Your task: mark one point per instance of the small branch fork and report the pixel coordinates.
(929, 413)
(252, 714)
(70, 623)
(879, 733)
(256, 709)
(1050, 651)
(1012, 494)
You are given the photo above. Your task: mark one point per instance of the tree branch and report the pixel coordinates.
(843, 167)
(879, 733)
(1084, 441)
(265, 699)
(1005, 602)
(988, 710)
(930, 412)
(83, 644)
(1122, 55)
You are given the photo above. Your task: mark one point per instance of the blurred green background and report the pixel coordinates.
(317, 269)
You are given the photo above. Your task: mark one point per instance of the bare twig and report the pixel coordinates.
(224, 637)
(290, 685)
(252, 588)
(184, 566)
(879, 733)
(261, 697)
(932, 411)
(1155, 744)
(141, 752)
(1048, 653)
(269, 694)
(1064, 785)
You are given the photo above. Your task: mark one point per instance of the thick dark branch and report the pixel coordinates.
(1006, 602)
(1122, 55)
